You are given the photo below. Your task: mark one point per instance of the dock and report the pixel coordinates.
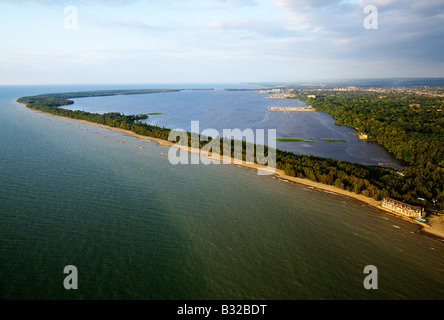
(292, 109)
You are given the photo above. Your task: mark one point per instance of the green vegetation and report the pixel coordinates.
(96, 93)
(333, 140)
(154, 113)
(415, 136)
(308, 141)
(294, 140)
(409, 125)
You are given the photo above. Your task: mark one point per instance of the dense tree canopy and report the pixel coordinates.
(411, 133)
(409, 126)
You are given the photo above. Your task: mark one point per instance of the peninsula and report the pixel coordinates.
(370, 184)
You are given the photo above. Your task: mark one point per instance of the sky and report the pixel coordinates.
(218, 41)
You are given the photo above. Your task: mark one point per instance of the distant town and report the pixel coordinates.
(282, 92)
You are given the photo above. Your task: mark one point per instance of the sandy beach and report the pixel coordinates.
(434, 225)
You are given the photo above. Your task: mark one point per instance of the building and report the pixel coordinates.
(363, 136)
(403, 208)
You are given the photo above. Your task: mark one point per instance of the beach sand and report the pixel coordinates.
(434, 225)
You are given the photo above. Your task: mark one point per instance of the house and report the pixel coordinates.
(363, 136)
(404, 209)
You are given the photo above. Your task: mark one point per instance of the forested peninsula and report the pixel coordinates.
(409, 125)
(414, 136)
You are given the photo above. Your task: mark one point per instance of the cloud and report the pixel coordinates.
(300, 37)
(232, 3)
(406, 28)
(75, 2)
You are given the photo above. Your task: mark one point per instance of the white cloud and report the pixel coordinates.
(278, 38)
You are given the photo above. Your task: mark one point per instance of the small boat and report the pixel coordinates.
(420, 219)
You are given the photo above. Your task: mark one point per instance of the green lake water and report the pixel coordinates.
(137, 227)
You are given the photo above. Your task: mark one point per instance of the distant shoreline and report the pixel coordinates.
(435, 226)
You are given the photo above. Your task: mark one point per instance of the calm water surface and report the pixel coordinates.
(221, 110)
(137, 227)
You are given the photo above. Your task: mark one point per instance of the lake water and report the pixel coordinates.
(242, 110)
(137, 227)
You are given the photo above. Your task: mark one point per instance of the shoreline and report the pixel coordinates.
(434, 227)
